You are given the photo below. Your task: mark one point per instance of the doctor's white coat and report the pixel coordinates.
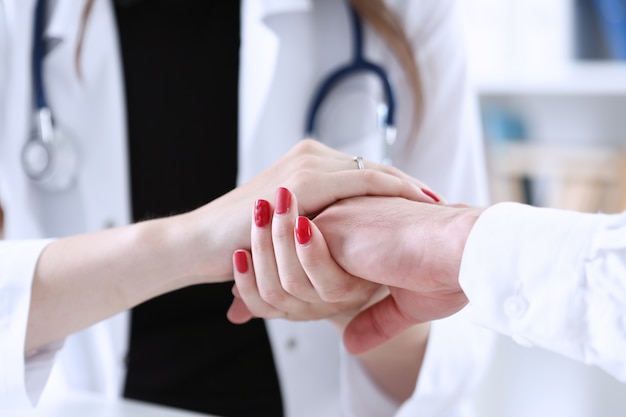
(287, 47)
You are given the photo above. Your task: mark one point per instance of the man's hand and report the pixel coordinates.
(413, 248)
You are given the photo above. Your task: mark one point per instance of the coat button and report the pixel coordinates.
(108, 224)
(515, 307)
(291, 343)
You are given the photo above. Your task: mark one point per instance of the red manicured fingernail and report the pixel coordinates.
(430, 194)
(241, 261)
(303, 230)
(283, 200)
(261, 213)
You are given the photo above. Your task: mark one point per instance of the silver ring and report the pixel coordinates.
(359, 162)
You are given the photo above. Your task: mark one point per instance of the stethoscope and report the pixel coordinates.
(359, 64)
(49, 158)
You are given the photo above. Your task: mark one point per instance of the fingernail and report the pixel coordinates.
(303, 230)
(430, 194)
(283, 200)
(261, 213)
(241, 261)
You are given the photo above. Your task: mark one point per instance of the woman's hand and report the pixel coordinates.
(319, 176)
(271, 281)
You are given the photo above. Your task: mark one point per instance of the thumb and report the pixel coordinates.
(238, 312)
(375, 325)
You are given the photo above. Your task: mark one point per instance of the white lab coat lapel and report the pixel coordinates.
(276, 67)
(91, 111)
(16, 116)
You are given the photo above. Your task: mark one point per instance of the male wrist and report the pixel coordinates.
(465, 219)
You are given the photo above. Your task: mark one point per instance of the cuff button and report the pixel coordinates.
(515, 307)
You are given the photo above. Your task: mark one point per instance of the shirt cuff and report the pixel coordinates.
(523, 271)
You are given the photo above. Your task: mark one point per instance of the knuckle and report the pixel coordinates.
(391, 170)
(259, 311)
(273, 296)
(307, 165)
(259, 249)
(370, 175)
(304, 175)
(295, 287)
(308, 146)
(281, 232)
(336, 294)
(352, 291)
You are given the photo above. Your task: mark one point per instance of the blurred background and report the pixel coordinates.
(551, 78)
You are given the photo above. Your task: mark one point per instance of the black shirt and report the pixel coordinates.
(181, 61)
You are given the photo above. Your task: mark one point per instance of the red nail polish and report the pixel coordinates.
(283, 201)
(241, 261)
(430, 194)
(261, 213)
(303, 230)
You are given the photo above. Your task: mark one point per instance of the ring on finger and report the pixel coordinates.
(359, 162)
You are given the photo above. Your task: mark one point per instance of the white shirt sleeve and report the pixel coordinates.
(21, 379)
(551, 278)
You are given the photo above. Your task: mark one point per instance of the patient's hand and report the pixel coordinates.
(413, 248)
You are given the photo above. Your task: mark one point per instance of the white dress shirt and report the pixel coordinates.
(551, 278)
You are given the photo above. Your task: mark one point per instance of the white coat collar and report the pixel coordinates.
(63, 18)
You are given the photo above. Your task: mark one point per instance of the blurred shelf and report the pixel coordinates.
(604, 79)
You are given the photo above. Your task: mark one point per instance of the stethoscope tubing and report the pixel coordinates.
(49, 158)
(359, 64)
(38, 54)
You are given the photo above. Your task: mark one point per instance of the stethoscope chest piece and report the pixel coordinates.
(49, 158)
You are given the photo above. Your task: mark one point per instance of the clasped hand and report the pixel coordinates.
(377, 264)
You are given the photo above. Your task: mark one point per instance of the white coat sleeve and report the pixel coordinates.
(22, 378)
(360, 395)
(453, 366)
(551, 278)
